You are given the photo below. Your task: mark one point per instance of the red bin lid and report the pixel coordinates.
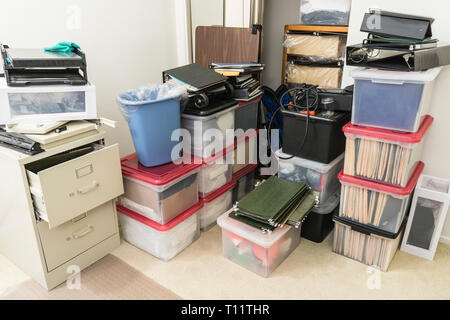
(157, 176)
(407, 190)
(213, 196)
(384, 134)
(157, 226)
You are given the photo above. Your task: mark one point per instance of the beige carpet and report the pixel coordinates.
(109, 278)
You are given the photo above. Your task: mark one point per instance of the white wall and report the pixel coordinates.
(127, 43)
(237, 13)
(437, 143)
(205, 13)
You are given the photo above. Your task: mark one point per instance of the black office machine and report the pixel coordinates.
(35, 66)
(209, 91)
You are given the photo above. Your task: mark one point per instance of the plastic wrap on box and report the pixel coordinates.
(316, 48)
(325, 12)
(324, 77)
(132, 100)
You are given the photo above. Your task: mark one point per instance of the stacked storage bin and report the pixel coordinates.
(160, 209)
(322, 178)
(382, 162)
(217, 182)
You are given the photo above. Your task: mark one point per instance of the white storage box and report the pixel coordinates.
(204, 128)
(46, 103)
(257, 251)
(364, 244)
(392, 100)
(161, 241)
(214, 205)
(427, 216)
(215, 172)
(245, 151)
(383, 155)
(375, 204)
(159, 193)
(322, 178)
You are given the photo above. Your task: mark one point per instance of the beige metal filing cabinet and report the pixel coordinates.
(59, 215)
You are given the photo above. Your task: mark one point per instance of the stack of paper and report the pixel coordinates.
(274, 203)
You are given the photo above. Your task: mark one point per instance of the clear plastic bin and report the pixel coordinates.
(159, 193)
(202, 141)
(364, 244)
(325, 12)
(245, 151)
(322, 178)
(161, 241)
(215, 172)
(257, 251)
(427, 217)
(46, 103)
(246, 115)
(392, 100)
(245, 182)
(375, 204)
(214, 205)
(383, 155)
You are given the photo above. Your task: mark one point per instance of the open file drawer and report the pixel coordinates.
(72, 238)
(69, 184)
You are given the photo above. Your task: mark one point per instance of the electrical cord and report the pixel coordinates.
(300, 96)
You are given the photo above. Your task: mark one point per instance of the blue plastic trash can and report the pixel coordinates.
(151, 124)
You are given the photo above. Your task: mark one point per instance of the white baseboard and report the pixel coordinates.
(445, 240)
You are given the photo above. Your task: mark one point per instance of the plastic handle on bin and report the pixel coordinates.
(394, 82)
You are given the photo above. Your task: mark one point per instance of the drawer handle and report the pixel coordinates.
(87, 189)
(83, 233)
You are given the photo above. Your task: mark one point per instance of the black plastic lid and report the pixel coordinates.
(343, 117)
(369, 230)
(214, 107)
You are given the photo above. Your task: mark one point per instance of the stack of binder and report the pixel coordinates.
(244, 77)
(398, 41)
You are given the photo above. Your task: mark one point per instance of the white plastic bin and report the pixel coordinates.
(159, 193)
(204, 128)
(245, 150)
(214, 205)
(375, 204)
(364, 244)
(427, 216)
(322, 178)
(161, 241)
(392, 100)
(46, 103)
(383, 155)
(215, 172)
(251, 248)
